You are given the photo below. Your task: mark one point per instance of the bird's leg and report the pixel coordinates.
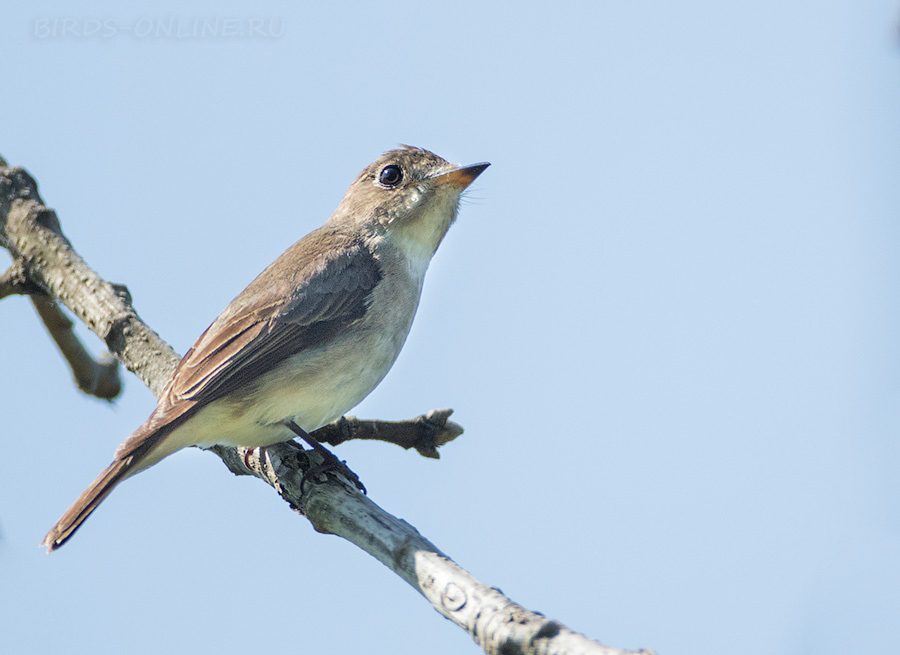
(331, 463)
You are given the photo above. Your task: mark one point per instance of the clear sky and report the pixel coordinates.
(667, 317)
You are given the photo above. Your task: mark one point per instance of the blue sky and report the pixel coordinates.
(667, 317)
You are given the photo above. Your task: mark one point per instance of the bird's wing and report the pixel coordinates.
(320, 284)
(294, 305)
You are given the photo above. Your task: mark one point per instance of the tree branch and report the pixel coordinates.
(32, 235)
(14, 281)
(45, 259)
(97, 377)
(425, 433)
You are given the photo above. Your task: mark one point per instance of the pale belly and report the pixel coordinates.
(313, 388)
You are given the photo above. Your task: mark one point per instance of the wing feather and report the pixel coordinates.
(320, 285)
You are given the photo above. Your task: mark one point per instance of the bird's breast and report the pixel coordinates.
(320, 384)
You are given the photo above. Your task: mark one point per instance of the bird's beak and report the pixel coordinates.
(460, 177)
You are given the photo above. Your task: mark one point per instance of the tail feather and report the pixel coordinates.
(141, 450)
(88, 502)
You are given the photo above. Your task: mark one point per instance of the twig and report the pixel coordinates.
(14, 281)
(97, 377)
(425, 433)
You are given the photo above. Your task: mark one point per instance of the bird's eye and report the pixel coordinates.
(390, 175)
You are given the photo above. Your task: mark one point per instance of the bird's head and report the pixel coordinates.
(408, 196)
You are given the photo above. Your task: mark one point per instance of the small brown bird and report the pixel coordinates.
(310, 337)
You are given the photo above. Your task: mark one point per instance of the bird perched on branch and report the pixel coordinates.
(310, 337)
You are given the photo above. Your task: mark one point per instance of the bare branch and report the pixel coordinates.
(97, 377)
(32, 234)
(494, 621)
(14, 281)
(425, 433)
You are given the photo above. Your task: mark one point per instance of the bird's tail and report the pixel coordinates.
(144, 448)
(87, 502)
(141, 450)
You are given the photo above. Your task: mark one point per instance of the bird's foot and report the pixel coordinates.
(330, 461)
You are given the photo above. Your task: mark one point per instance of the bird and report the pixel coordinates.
(312, 335)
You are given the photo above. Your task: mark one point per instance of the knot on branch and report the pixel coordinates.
(121, 291)
(45, 218)
(118, 330)
(15, 184)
